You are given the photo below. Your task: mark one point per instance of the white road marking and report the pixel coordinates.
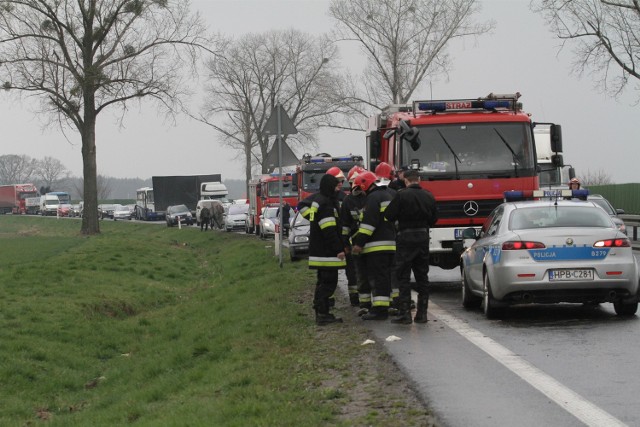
(566, 398)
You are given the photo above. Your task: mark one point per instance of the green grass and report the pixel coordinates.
(149, 325)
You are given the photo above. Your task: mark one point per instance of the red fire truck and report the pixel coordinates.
(468, 153)
(265, 191)
(309, 172)
(12, 197)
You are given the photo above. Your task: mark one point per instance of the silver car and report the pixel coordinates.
(235, 217)
(549, 252)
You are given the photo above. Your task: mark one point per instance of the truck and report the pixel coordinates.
(311, 168)
(553, 174)
(264, 190)
(214, 190)
(468, 152)
(152, 202)
(32, 205)
(12, 197)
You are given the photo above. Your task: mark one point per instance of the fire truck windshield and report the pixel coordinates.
(503, 149)
(311, 180)
(287, 189)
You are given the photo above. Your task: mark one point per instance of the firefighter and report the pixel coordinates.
(350, 212)
(385, 174)
(326, 248)
(398, 183)
(376, 240)
(414, 208)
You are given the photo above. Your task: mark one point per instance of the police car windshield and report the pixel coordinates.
(558, 216)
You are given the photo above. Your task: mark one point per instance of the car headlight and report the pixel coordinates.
(300, 239)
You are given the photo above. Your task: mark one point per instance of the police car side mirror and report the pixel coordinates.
(469, 233)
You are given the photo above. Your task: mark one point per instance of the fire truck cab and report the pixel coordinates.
(468, 152)
(309, 172)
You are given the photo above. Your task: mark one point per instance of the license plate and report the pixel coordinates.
(571, 274)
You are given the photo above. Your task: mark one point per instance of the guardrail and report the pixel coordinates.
(632, 222)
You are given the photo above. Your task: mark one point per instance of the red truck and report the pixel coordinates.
(265, 191)
(12, 197)
(468, 152)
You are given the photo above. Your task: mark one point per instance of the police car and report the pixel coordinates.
(548, 250)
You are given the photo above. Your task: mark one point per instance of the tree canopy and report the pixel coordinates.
(81, 57)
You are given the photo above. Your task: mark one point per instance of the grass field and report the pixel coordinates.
(149, 325)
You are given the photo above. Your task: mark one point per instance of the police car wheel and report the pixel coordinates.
(488, 303)
(469, 300)
(623, 309)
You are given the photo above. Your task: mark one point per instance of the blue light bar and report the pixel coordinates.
(460, 105)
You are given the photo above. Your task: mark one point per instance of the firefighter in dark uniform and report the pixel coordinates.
(326, 248)
(376, 240)
(386, 174)
(350, 212)
(414, 208)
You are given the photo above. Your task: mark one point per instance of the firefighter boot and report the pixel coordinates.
(376, 313)
(354, 299)
(404, 315)
(421, 310)
(326, 319)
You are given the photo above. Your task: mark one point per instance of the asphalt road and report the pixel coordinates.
(553, 365)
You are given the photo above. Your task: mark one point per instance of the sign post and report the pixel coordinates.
(280, 123)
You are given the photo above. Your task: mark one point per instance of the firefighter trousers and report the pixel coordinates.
(414, 258)
(379, 265)
(326, 284)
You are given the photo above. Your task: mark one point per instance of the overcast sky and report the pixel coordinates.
(520, 56)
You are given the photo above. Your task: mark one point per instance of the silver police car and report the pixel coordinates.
(549, 251)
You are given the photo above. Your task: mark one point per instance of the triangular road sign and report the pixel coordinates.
(286, 124)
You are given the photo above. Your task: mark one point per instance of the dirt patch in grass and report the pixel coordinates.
(364, 383)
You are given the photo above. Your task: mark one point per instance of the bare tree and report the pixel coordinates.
(17, 169)
(597, 177)
(405, 42)
(253, 74)
(605, 36)
(51, 172)
(104, 185)
(80, 57)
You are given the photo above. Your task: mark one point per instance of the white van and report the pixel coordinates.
(49, 204)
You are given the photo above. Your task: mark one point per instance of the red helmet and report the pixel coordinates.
(354, 172)
(365, 180)
(385, 171)
(337, 172)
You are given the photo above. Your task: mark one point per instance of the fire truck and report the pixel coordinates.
(265, 191)
(309, 172)
(12, 197)
(468, 152)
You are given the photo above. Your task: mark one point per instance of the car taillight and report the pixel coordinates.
(516, 245)
(612, 243)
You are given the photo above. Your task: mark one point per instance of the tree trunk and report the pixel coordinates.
(90, 223)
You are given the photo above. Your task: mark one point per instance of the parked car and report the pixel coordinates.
(268, 221)
(298, 237)
(64, 209)
(608, 208)
(106, 210)
(549, 251)
(178, 213)
(122, 212)
(235, 218)
(77, 210)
